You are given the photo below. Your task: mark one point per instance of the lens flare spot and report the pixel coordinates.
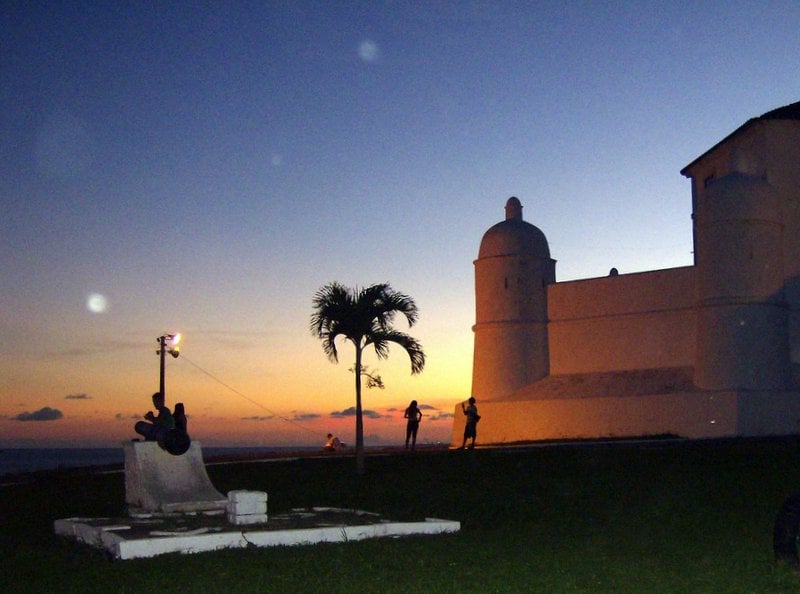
(368, 51)
(97, 303)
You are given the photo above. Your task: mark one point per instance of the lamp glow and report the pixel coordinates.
(175, 348)
(168, 343)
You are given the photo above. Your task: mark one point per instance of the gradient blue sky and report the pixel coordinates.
(206, 167)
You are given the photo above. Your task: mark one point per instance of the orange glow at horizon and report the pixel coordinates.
(97, 431)
(245, 393)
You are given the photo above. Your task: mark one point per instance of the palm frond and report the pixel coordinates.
(331, 305)
(381, 342)
(395, 302)
(329, 346)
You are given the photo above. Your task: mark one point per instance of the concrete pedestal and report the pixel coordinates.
(158, 482)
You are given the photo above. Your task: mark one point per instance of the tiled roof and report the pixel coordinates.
(787, 112)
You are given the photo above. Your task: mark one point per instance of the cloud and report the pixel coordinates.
(306, 416)
(351, 412)
(81, 396)
(122, 417)
(442, 416)
(420, 406)
(43, 414)
(257, 418)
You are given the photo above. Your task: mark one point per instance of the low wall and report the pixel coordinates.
(694, 415)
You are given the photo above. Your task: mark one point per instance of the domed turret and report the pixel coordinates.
(514, 236)
(512, 272)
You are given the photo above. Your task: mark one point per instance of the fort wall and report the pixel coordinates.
(636, 321)
(709, 350)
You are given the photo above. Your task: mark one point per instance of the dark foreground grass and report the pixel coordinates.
(686, 517)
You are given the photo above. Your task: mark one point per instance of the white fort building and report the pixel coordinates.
(709, 350)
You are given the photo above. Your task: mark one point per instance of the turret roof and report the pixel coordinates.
(514, 236)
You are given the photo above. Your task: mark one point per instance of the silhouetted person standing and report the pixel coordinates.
(471, 428)
(414, 416)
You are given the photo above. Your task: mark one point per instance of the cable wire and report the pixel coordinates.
(238, 393)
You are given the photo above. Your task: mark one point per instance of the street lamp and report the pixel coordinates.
(167, 343)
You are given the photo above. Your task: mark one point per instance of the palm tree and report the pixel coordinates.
(364, 317)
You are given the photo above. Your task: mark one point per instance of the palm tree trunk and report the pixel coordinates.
(360, 456)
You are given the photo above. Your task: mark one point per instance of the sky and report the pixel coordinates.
(206, 167)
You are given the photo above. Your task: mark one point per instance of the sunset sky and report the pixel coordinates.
(205, 167)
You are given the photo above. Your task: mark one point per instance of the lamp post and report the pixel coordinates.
(167, 343)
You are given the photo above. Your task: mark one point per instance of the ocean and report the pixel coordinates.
(22, 460)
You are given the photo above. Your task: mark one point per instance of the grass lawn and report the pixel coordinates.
(688, 517)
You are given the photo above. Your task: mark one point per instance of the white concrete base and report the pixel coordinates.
(247, 519)
(133, 538)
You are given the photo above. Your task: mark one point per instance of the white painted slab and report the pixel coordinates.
(129, 539)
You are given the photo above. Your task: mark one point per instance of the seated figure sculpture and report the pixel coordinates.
(177, 440)
(156, 427)
(167, 428)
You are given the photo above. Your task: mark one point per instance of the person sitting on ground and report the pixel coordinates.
(332, 444)
(156, 427)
